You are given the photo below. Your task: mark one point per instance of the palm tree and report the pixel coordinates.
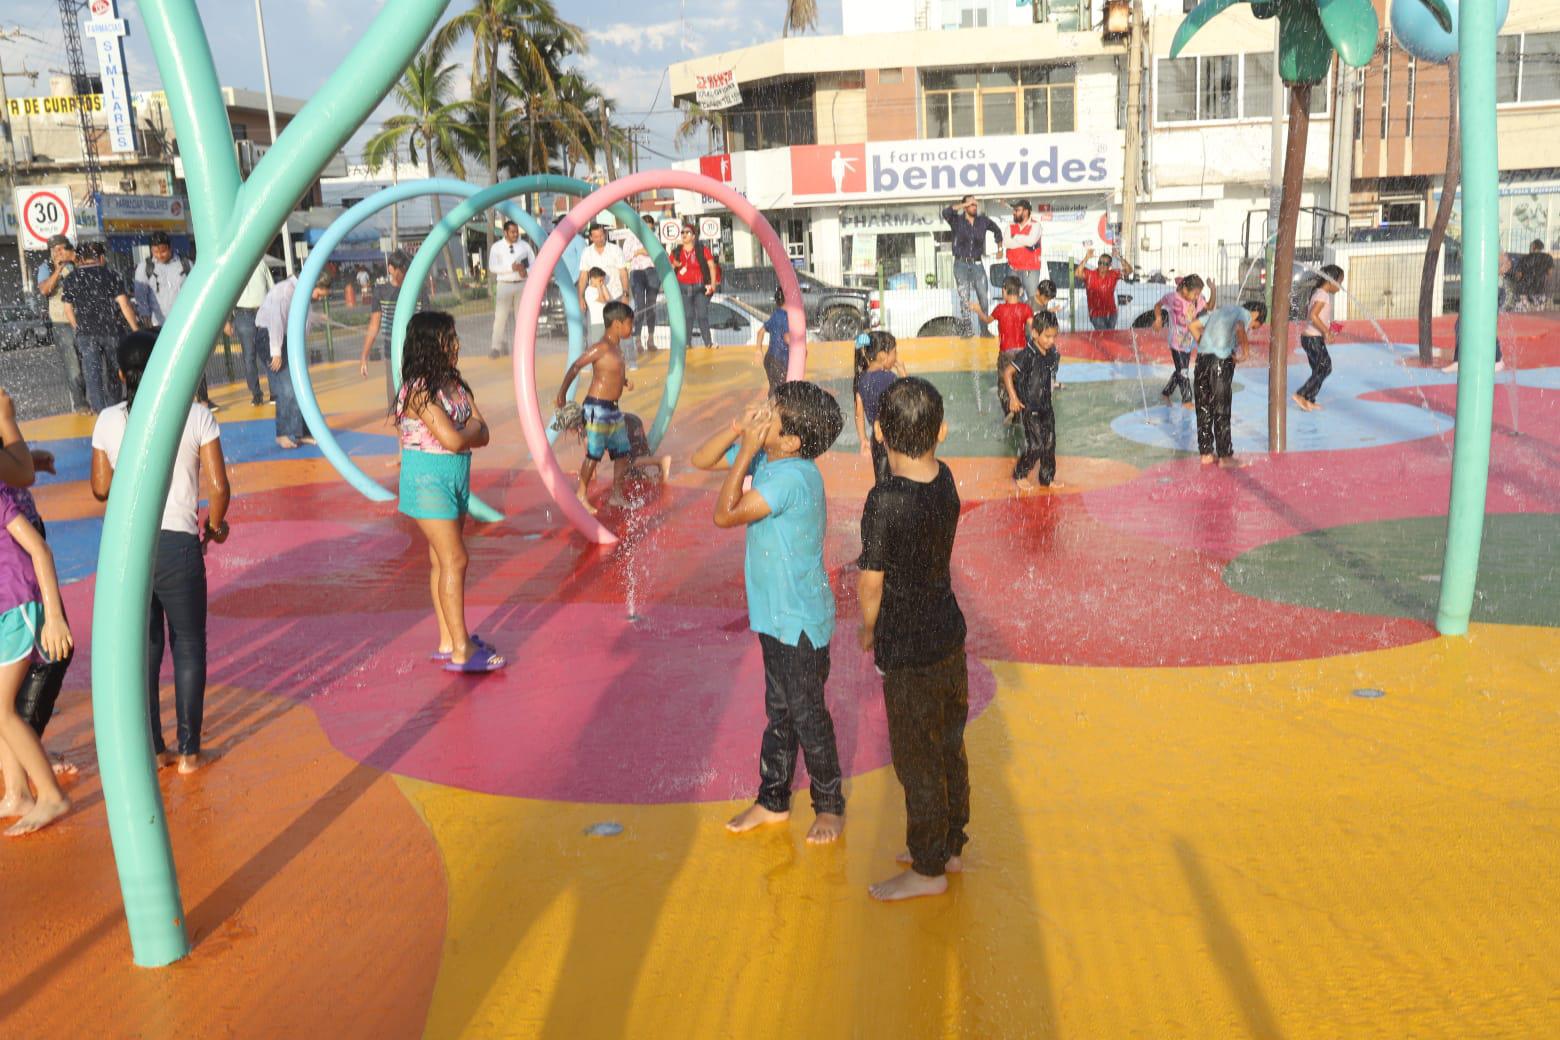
(537, 38)
(1310, 32)
(431, 122)
(800, 15)
(696, 120)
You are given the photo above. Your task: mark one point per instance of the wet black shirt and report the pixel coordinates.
(1034, 371)
(93, 291)
(907, 532)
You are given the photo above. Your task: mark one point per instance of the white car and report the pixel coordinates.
(733, 323)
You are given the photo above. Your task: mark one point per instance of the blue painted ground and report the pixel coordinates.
(251, 440)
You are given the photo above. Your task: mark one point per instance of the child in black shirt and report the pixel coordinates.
(1029, 391)
(911, 621)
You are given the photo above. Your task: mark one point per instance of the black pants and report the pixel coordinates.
(927, 709)
(179, 599)
(774, 371)
(696, 312)
(1215, 378)
(880, 470)
(1039, 425)
(1315, 348)
(646, 289)
(1005, 359)
(40, 689)
(1182, 358)
(794, 677)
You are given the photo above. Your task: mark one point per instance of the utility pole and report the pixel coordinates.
(1343, 142)
(1130, 181)
(270, 111)
(1278, 295)
(606, 144)
(10, 176)
(395, 211)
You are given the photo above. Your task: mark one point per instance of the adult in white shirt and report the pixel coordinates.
(271, 323)
(179, 570)
(157, 285)
(510, 261)
(645, 286)
(241, 326)
(606, 257)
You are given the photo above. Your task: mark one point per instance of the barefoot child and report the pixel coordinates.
(641, 467)
(1028, 383)
(790, 603)
(877, 367)
(774, 348)
(439, 425)
(1012, 317)
(604, 430)
(1178, 310)
(1315, 334)
(911, 622)
(1221, 343)
(32, 618)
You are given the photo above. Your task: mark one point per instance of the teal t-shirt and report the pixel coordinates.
(1218, 336)
(788, 589)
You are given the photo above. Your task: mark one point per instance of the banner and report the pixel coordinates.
(717, 90)
(141, 213)
(107, 29)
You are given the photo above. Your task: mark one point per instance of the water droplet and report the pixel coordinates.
(604, 829)
(1369, 693)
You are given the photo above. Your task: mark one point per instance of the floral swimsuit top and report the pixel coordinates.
(415, 435)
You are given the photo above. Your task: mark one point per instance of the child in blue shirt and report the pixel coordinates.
(877, 367)
(774, 348)
(790, 603)
(1221, 342)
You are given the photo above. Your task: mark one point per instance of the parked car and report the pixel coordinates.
(837, 312)
(22, 328)
(733, 323)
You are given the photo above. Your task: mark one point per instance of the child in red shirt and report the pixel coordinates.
(1012, 316)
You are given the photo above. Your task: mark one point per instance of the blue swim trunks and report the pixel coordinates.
(435, 486)
(605, 431)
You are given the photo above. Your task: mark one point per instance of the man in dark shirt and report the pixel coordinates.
(1530, 278)
(970, 227)
(910, 620)
(381, 323)
(97, 304)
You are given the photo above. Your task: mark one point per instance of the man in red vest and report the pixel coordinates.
(1023, 252)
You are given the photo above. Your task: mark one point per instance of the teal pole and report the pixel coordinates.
(236, 231)
(1476, 367)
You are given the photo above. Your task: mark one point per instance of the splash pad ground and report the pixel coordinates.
(1187, 822)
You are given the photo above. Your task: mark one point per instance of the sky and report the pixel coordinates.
(631, 44)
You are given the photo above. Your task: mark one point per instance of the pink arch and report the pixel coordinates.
(559, 484)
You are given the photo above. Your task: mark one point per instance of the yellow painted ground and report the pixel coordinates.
(1200, 852)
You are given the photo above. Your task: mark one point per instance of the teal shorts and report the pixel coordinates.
(19, 628)
(435, 487)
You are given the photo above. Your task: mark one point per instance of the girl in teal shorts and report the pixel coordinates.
(439, 425)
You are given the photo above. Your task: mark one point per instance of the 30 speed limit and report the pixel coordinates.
(44, 212)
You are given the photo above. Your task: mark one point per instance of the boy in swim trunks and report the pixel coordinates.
(605, 431)
(641, 466)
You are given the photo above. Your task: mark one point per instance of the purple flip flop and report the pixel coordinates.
(484, 660)
(443, 656)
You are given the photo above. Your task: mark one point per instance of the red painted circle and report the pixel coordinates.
(45, 235)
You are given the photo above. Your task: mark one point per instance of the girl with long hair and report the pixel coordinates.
(877, 367)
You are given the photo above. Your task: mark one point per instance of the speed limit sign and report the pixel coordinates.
(44, 212)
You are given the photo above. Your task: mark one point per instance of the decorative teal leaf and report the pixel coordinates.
(1352, 27)
(1304, 51)
(1439, 11)
(1264, 8)
(1204, 13)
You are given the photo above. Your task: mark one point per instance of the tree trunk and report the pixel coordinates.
(493, 110)
(1443, 216)
(1284, 265)
(438, 216)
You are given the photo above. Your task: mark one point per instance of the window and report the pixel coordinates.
(771, 115)
(1404, 213)
(1413, 83)
(1066, 15)
(890, 77)
(972, 18)
(1220, 87)
(1527, 68)
(1386, 88)
(1037, 99)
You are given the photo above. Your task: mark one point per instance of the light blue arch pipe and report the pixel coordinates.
(671, 389)
(297, 323)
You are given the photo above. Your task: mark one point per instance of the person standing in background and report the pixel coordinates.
(381, 323)
(157, 285)
(1099, 286)
(698, 276)
(97, 305)
(970, 227)
(271, 322)
(509, 261)
(241, 326)
(1023, 252)
(644, 286)
(50, 281)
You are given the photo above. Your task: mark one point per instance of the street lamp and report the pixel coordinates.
(270, 112)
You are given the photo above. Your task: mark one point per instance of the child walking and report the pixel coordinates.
(1315, 334)
(1028, 385)
(1178, 309)
(790, 603)
(1012, 316)
(774, 345)
(439, 425)
(877, 367)
(32, 619)
(605, 433)
(642, 467)
(910, 620)
(1221, 344)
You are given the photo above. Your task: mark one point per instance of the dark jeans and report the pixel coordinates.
(794, 677)
(1182, 358)
(1103, 322)
(927, 709)
(289, 419)
(100, 369)
(1315, 348)
(969, 278)
(179, 599)
(65, 344)
(255, 362)
(696, 308)
(1215, 379)
(646, 289)
(880, 468)
(1039, 424)
(774, 371)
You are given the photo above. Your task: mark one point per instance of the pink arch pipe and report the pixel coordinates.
(559, 484)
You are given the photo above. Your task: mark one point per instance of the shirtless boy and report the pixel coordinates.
(605, 432)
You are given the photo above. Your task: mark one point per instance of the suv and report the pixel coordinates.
(838, 313)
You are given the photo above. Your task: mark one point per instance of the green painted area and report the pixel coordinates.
(1393, 568)
(1084, 412)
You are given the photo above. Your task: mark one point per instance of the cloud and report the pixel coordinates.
(689, 32)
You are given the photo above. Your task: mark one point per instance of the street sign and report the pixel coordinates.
(45, 211)
(709, 229)
(670, 231)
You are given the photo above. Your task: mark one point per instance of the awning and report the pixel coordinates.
(358, 254)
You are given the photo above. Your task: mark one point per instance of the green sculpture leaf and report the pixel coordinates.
(1438, 11)
(1352, 27)
(1201, 16)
